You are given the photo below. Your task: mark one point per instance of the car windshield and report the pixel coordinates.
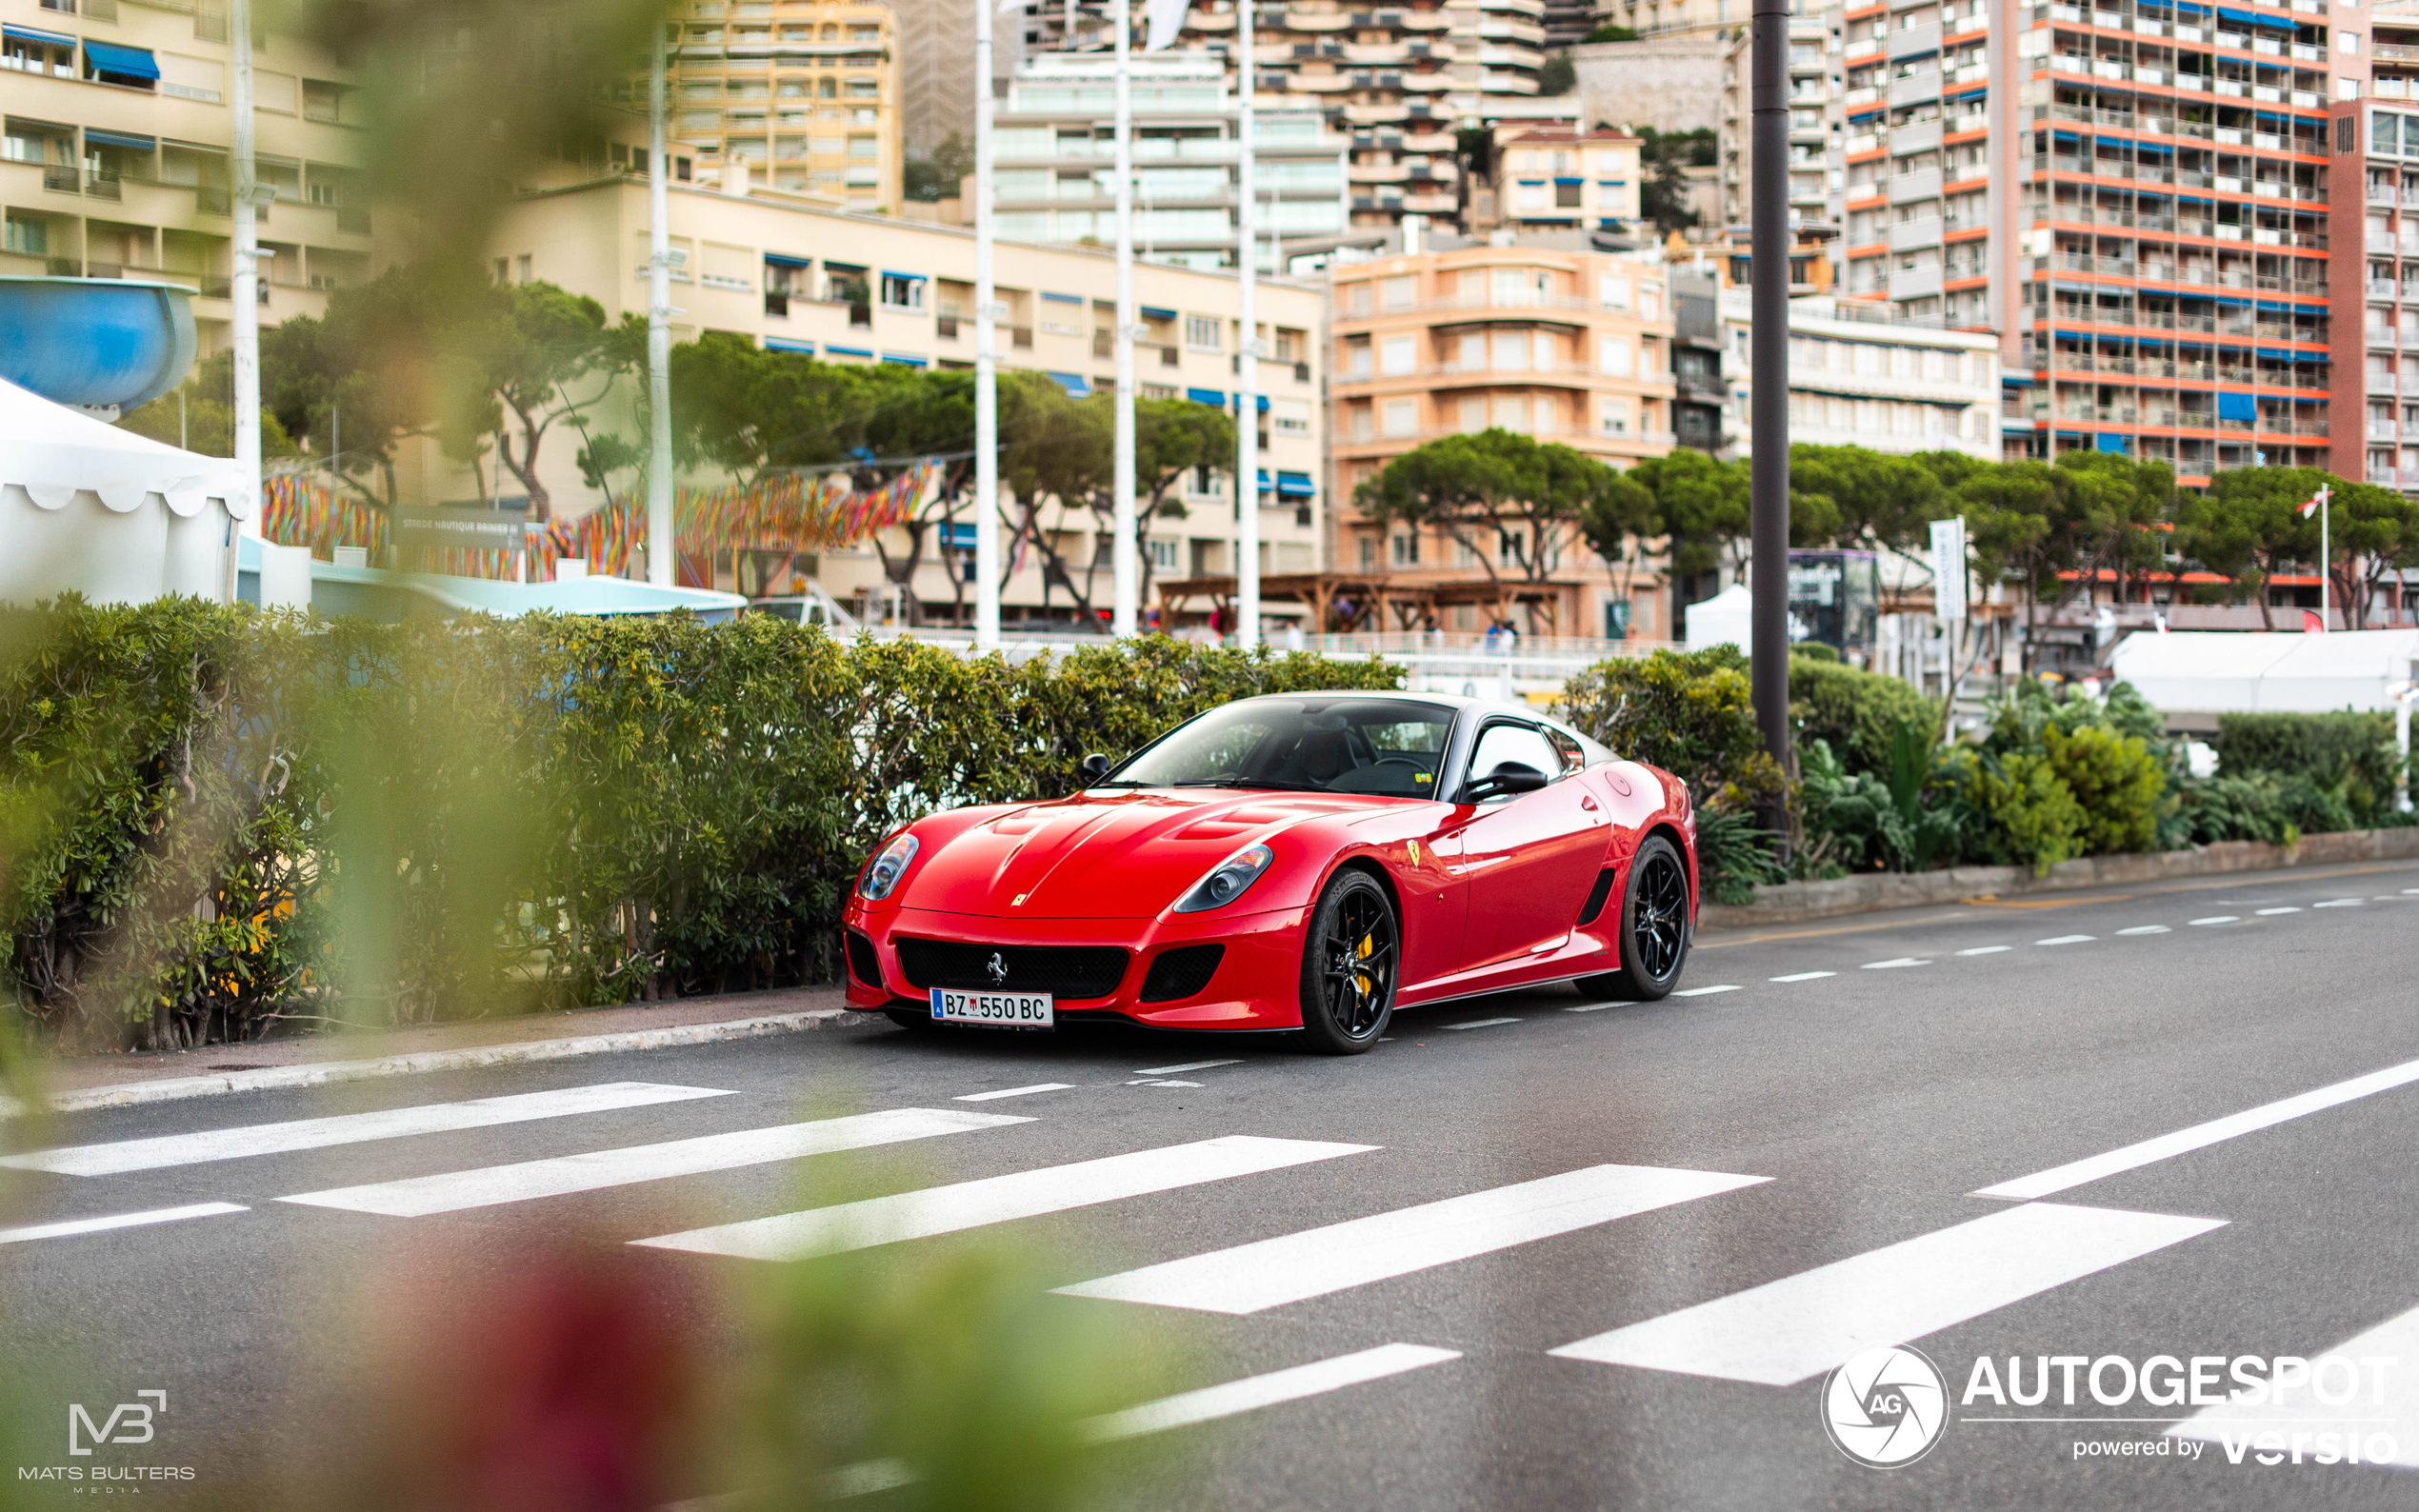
(1389, 746)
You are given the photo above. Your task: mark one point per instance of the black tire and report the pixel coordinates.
(1351, 961)
(1654, 928)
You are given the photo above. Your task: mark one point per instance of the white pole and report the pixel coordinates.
(1247, 442)
(987, 407)
(2325, 562)
(659, 329)
(1125, 571)
(245, 286)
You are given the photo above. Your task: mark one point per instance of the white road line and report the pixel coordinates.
(2387, 1401)
(451, 1191)
(1233, 1396)
(1987, 950)
(2339, 903)
(1707, 992)
(1806, 976)
(1188, 1065)
(1167, 1082)
(999, 1199)
(96, 1225)
(1013, 1091)
(1581, 1007)
(1895, 961)
(2075, 1173)
(1480, 1024)
(1797, 1328)
(2270, 913)
(2410, 892)
(2066, 938)
(2147, 929)
(346, 1129)
(2223, 918)
(1252, 1278)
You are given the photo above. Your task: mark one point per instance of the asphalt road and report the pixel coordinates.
(1817, 1119)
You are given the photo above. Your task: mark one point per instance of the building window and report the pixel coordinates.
(1202, 332)
(902, 291)
(1402, 356)
(862, 147)
(1405, 548)
(1402, 417)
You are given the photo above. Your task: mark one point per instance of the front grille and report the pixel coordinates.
(1063, 971)
(1181, 972)
(863, 964)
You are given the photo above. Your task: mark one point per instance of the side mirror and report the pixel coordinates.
(1095, 767)
(1508, 778)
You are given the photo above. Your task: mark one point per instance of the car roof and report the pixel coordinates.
(1460, 703)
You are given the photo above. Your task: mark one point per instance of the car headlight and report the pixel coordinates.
(1226, 883)
(887, 868)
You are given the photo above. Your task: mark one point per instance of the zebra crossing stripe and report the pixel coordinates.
(1799, 1326)
(999, 1199)
(2385, 1401)
(1252, 1278)
(1230, 1398)
(451, 1191)
(346, 1129)
(70, 1228)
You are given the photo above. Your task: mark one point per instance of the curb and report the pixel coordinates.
(326, 1072)
(1791, 903)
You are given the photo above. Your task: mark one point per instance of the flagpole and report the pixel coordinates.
(2325, 560)
(986, 413)
(1124, 566)
(1246, 435)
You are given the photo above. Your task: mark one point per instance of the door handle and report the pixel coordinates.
(1587, 802)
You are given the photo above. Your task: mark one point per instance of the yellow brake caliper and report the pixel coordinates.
(1369, 948)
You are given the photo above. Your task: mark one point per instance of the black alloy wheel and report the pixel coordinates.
(1654, 928)
(1352, 957)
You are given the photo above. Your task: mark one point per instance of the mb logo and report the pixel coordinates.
(128, 1423)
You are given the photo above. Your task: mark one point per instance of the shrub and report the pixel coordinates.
(2209, 810)
(2033, 815)
(1735, 853)
(216, 819)
(1858, 713)
(2114, 780)
(1687, 712)
(2352, 754)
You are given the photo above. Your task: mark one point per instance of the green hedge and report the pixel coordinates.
(215, 819)
(2344, 761)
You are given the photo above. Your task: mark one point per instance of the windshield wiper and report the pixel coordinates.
(1250, 782)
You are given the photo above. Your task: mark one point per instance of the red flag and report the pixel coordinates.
(2312, 623)
(2310, 505)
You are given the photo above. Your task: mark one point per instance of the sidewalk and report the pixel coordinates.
(104, 1081)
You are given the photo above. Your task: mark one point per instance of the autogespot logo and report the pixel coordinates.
(1886, 1407)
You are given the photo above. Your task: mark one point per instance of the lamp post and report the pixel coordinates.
(1125, 570)
(245, 285)
(1246, 410)
(987, 411)
(1769, 484)
(659, 328)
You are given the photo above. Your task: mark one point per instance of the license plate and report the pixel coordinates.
(1012, 1010)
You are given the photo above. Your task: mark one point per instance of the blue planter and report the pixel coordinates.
(95, 341)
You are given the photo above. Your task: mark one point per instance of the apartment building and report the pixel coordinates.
(1055, 150)
(1567, 346)
(865, 289)
(1559, 180)
(116, 158)
(797, 95)
(1858, 379)
(1398, 80)
(2379, 137)
(1817, 132)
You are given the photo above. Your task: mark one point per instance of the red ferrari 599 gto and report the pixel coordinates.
(1304, 862)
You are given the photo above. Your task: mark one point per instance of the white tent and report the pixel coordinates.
(2241, 672)
(117, 517)
(1726, 619)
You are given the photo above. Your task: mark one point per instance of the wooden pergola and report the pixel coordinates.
(1346, 602)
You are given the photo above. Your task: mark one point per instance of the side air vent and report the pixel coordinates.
(863, 964)
(1596, 896)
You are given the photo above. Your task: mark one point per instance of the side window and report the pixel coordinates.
(1498, 743)
(1566, 748)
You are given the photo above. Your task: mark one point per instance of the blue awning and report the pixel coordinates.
(785, 344)
(107, 57)
(1207, 396)
(914, 278)
(1061, 299)
(1154, 312)
(1560, 179)
(1264, 403)
(1296, 484)
(1265, 485)
(847, 351)
(2113, 443)
(903, 360)
(784, 260)
(56, 39)
(2236, 406)
(958, 535)
(95, 135)
(1076, 385)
